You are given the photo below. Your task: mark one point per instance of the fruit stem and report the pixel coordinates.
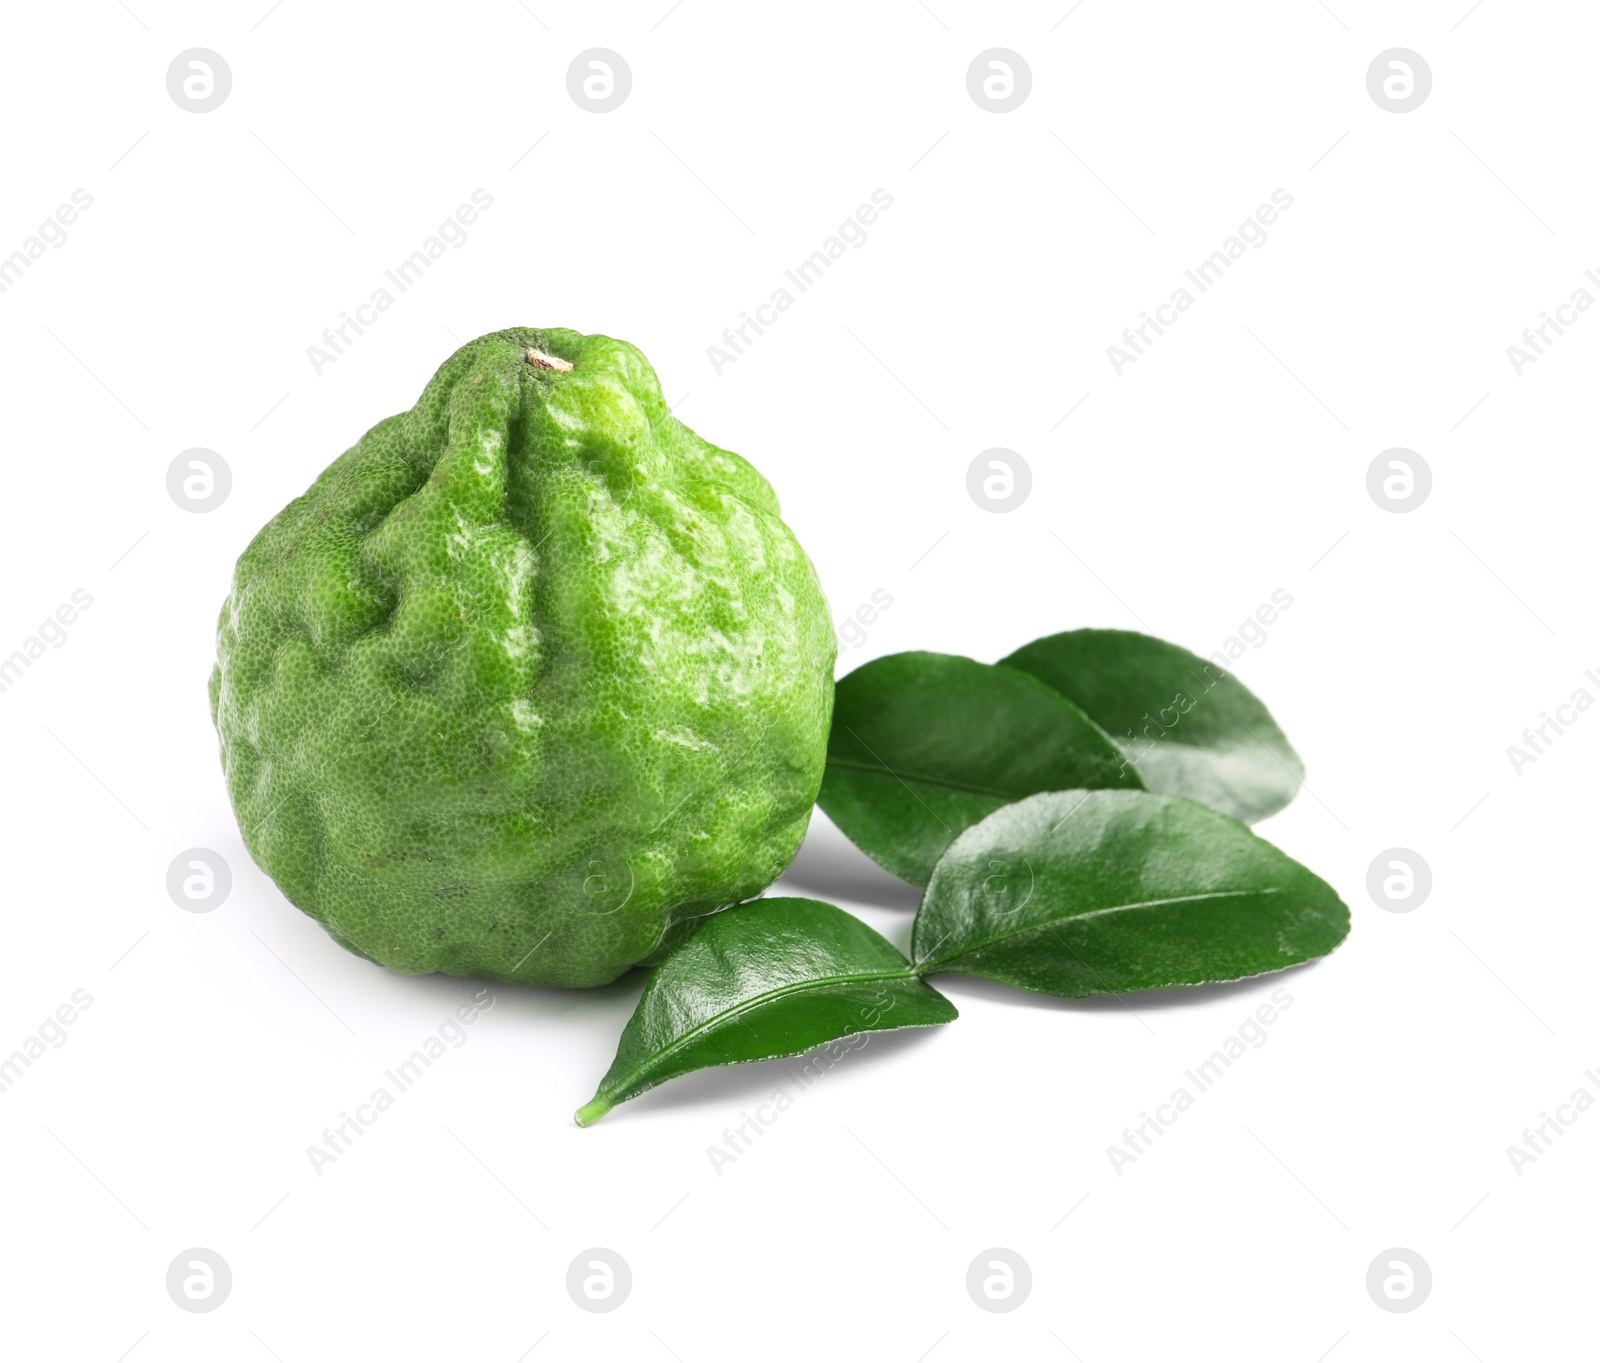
(539, 360)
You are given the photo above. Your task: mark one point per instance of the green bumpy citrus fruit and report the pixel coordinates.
(530, 679)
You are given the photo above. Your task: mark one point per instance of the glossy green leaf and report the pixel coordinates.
(1085, 892)
(770, 978)
(1190, 727)
(924, 745)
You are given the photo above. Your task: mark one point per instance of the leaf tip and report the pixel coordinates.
(592, 1111)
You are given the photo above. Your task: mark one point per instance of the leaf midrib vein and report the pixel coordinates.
(925, 968)
(746, 1005)
(937, 783)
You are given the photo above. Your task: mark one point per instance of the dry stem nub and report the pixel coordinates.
(539, 360)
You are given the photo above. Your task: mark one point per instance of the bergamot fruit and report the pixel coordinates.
(530, 679)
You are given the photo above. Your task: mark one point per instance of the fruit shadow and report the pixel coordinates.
(830, 866)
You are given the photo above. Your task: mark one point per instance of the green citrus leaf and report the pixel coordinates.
(1190, 727)
(770, 978)
(1084, 892)
(924, 745)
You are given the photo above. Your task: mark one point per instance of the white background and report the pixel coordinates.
(1229, 461)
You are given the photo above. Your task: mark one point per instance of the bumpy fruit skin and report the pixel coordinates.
(529, 680)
